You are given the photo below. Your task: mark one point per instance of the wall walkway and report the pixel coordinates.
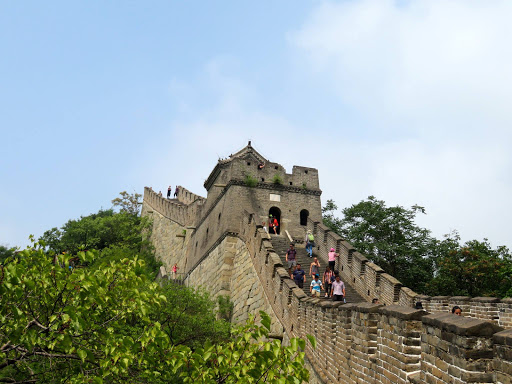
(358, 342)
(370, 281)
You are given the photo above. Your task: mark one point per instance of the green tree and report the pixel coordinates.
(128, 203)
(389, 237)
(329, 219)
(190, 319)
(471, 269)
(59, 323)
(116, 235)
(99, 324)
(6, 254)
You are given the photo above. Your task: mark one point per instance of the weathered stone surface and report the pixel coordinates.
(220, 243)
(460, 325)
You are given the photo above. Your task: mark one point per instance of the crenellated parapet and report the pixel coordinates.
(370, 281)
(219, 243)
(376, 343)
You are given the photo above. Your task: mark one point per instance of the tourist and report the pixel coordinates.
(176, 191)
(338, 289)
(314, 268)
(375, 301)
(299, 276)
(265, 227)
(332, 258)
(174, 271)
(310, 243)
(315, 286)
(328, 279)
(169, 190)
(160, 193)
(457, 310)
(291, 259)
(274, 224)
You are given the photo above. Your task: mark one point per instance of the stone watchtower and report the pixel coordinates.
(248, 182)
(261, 186)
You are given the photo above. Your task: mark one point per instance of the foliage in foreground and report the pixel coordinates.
(107, 323)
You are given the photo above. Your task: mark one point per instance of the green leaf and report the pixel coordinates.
(312, 340)
(82, 354)
(265, 320)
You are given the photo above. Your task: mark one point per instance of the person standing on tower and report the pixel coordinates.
(176, 191)
(169, 190)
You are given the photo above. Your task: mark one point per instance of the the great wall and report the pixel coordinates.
(219, 243)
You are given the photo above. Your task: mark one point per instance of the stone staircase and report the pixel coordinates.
(280, 243)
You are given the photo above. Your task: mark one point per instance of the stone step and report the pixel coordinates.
(281, 244)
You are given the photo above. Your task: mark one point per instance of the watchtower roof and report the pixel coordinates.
(246, 152)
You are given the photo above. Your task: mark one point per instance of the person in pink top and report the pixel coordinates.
(332, 258)
(174, 271)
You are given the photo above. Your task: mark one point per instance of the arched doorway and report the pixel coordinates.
(304, 217)
(275, 213)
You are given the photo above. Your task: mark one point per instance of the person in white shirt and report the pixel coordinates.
(338, 289)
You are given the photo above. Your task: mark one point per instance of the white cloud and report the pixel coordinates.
(433, 79)
(429, 81)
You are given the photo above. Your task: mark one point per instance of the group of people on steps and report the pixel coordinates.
(331, 281)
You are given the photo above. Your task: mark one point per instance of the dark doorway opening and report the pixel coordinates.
(276, 214)
(304, 217)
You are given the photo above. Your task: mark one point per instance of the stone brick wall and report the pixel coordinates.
(502, 362)
(370, 281)
(169, 237)
(372, 343)
(220, 244)
(357, 343)
(228, 270)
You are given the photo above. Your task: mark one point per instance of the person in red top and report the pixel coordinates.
(274, 224)
(328, 279)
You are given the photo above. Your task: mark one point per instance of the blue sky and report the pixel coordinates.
(404, 100)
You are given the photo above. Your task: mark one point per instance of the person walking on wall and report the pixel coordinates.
(169, 190)
(310, 242)
(291, 259)
(328, 279)
(338, 289)
(176, 191)
(174, 271)
(315, 286)
(299, 276)
(314, 268)
(332, 258)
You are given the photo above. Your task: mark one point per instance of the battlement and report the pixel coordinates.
(219, 243)
(376, 343)
(370, 282)
(248, 163)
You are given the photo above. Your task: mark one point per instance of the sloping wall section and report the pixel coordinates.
(357, 343)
